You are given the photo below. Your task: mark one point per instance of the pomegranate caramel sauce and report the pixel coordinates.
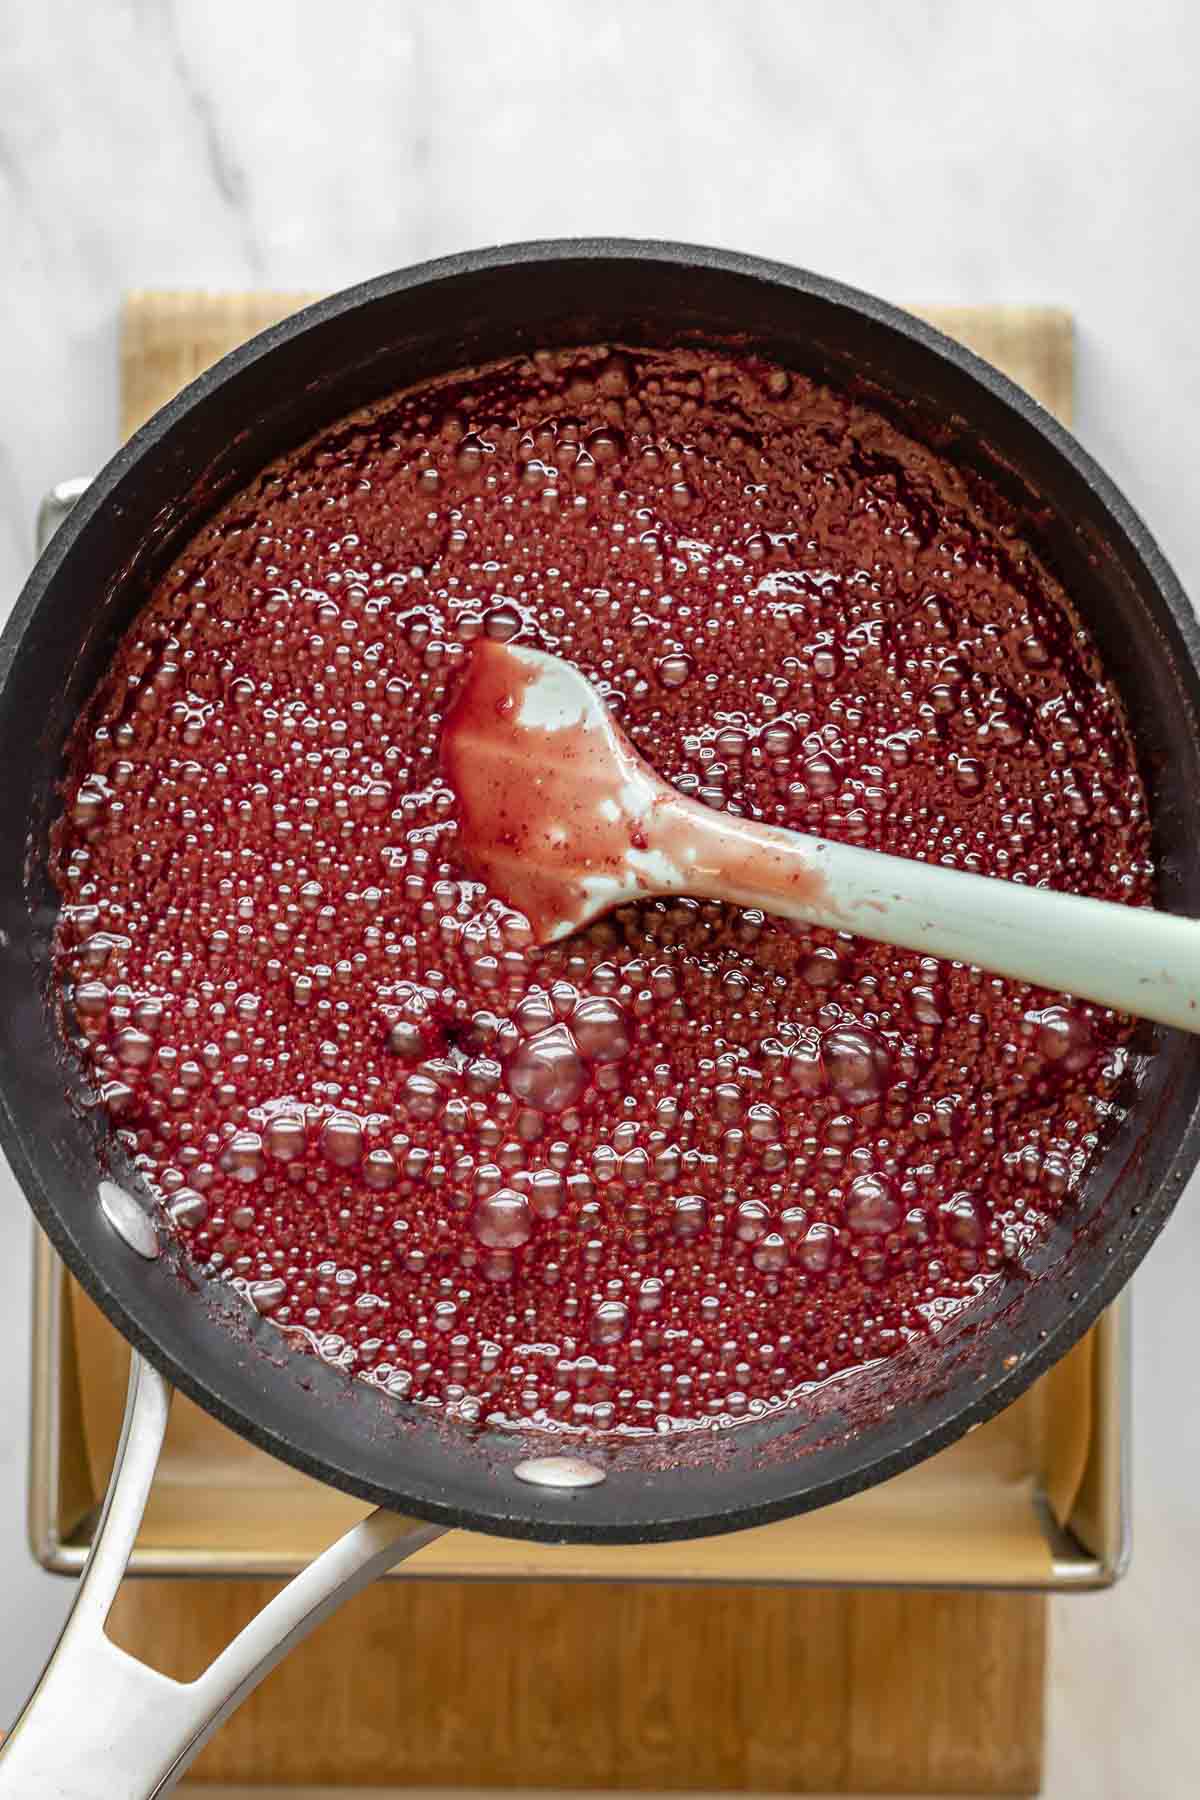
(675, 1170)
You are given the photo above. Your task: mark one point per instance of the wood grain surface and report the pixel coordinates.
(606, 1684)
(612, 1685)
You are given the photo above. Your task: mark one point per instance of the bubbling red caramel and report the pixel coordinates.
(672, 1171)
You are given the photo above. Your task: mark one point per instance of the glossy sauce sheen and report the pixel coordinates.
(559, 815)
(670, 1171)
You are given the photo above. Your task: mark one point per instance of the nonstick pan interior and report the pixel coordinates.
(271, 394)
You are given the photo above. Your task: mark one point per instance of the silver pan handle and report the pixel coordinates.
(100, 1725)
(54, 507)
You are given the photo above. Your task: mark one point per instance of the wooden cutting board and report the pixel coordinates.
(611, 1684)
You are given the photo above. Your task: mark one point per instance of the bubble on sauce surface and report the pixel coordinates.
(771, 1255)
(968, 774)
(501, 622)
(422, 1096)
(244, 1155)
(91, 1000)
(600, 1029)
(674, 670)
(285, 1137)
(927, 1004)
(187, 1208)
(1065, 1039)
(547, 1071)
(817, 1248)
(689, 1215)
(609, 1323)
(650, 1294)
(134, 1048)
(823, 968)
(546, 1193)
(341, 1140)
(266, 1296)
(806, 1071)
(379, 1168)
(503, 1220)
(872, 1209)
(965, 1220)
(751, 1220)
(406, 1038)
(857, 1064)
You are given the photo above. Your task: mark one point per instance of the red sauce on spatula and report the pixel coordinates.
(672, 1170)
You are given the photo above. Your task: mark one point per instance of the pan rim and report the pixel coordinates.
(575, 1518)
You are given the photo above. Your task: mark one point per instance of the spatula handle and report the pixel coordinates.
(1127, 957)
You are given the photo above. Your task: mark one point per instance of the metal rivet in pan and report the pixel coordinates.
(130, 1221)
(559, 1472)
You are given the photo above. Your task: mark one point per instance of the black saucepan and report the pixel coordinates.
(274, 392)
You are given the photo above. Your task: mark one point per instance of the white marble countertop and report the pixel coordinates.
(928, 151)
